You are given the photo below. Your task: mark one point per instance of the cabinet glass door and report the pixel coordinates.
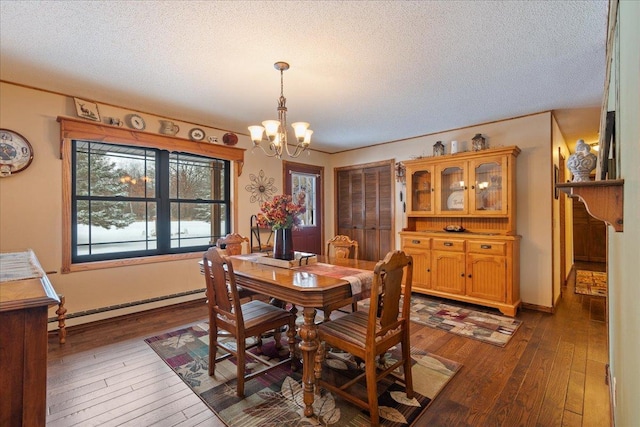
(421, 191)
(487, 185)
(453, 186)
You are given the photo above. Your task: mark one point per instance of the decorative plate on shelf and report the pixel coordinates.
(454, 228)
(455, 201)
(196, 134)
(230, 139)
(137, 122)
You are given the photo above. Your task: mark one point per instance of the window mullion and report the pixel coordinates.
(163, 222)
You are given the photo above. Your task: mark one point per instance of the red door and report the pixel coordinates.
(304, 184)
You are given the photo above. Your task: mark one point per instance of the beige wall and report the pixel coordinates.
(624, 248)
(31, 207)
(534, 188)
(30, 213)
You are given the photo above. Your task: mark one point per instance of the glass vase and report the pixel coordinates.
(283, 244)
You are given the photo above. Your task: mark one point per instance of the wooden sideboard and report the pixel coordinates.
(475, 193)
(25, 297)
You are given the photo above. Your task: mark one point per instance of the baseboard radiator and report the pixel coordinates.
(127, 305)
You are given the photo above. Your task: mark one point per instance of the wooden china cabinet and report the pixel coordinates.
(474, 195)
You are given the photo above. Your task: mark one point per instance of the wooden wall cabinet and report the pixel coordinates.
(477, 192)
(477, 188)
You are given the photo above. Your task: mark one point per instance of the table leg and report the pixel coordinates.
(308, 346)
(61, 312)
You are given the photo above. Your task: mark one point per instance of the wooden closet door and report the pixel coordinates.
(350, 207)
(377, 213)
(364, 196)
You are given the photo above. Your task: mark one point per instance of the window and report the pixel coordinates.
(129, 201)
(303, 191)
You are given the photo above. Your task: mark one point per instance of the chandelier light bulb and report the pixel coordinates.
(307, 137)
(271, 127)
(256, 133)
(276, 140)
(300, 129)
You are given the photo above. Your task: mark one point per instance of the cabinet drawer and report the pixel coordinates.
(455, 245)
(489, 248)
(416, 242)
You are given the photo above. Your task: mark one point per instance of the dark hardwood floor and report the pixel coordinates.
(552, 373)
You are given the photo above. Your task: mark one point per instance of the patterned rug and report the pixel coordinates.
(591, 283)
(486, 327)
(275, 398)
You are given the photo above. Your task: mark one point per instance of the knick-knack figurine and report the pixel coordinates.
(479, 143)
(582, 162)
(438, 148)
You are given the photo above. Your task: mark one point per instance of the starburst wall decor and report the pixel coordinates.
(261, 187)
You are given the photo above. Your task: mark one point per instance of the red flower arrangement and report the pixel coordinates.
(280, 213)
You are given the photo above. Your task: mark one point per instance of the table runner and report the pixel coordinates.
(360, 280)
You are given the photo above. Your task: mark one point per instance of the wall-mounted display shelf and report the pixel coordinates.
(603, 199)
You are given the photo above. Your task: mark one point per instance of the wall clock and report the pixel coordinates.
(16, 153)
(136, 122)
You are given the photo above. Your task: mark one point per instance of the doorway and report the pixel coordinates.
(305, 184)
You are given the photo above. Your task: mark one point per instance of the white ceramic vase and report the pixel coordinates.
(582, 162)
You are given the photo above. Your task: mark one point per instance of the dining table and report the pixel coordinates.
(323, 285)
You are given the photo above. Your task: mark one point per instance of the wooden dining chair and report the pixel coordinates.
(240, 321)
(369, 335)
(342, 246)
(231, 244)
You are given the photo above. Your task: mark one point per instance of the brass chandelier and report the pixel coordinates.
(276, 130)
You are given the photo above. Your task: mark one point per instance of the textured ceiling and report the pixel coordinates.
(362, 72)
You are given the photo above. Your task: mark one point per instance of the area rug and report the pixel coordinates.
(275, 398)
(591, 283)
(486, 327)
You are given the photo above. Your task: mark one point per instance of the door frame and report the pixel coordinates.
(288, 166)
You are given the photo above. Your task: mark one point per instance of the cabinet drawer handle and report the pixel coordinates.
(428, 270)
(448, 244)
(415, 242)
(485, 246)
(469, 276)
(462, 275)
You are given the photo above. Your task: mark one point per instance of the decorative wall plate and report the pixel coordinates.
(137, 122)
(230, 139)
(196, 134)
(455, 202)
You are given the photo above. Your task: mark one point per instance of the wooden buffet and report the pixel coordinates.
(25, 297)
(473, 193)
